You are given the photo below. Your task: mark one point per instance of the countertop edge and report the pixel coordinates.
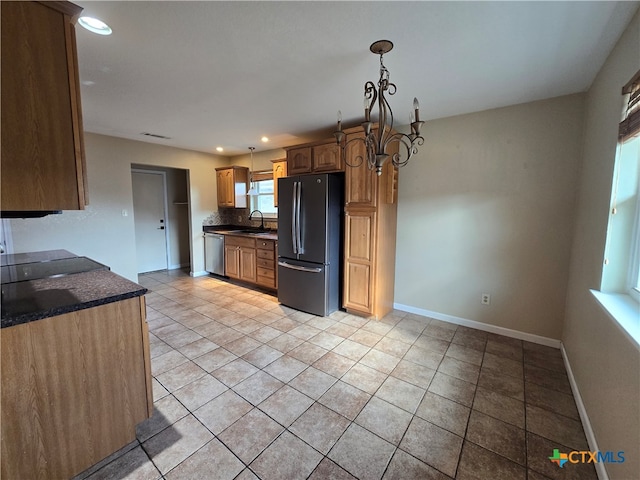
(239, 232)
(53, 312)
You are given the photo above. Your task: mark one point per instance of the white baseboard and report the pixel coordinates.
(601, 471)
(177, 266)
(507, 332)
(198, 274)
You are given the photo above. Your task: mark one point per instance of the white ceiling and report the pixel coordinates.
(210, 74)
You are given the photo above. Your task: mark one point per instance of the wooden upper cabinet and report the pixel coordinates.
(315, 158)
(42, 160)
(299, 161)
(361, 183)
(279, 171)
(327, 158)
(231, 183)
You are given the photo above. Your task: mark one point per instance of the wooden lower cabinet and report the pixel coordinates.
(240, 258)
(74, 386)
(231, 260)
(359, 253)
(248, 264)
(267, 271)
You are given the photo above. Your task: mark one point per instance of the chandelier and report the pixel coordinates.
(378, 140)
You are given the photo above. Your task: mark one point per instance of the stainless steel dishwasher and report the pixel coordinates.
(214, 253)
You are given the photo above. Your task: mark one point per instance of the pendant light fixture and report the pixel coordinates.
(377, 140)
(252, 190)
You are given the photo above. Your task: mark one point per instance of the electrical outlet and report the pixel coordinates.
(485, 299)
(239, 218)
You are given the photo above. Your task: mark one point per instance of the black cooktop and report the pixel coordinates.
(46, 269)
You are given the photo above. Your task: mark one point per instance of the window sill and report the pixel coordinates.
(623, 309)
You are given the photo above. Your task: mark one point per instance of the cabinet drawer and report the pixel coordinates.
(240, 241)
(266, 263)
(266, 272)
(265, 244)
(266, 282)
(266, 254)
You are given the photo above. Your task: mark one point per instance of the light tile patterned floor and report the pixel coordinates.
(245, 388)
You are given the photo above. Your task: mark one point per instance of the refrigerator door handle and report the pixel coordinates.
(298, 267)
(294, 222)
(298, 227)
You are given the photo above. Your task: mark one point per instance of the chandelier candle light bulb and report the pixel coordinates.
(367, 113)
(376, 142)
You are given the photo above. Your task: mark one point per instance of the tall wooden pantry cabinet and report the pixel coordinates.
(371, 204)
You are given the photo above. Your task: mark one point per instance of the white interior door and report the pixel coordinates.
(150, 220)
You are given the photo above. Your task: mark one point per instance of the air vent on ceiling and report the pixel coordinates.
(155, 135)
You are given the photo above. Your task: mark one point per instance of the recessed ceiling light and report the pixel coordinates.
(94, 25)
(220, 149)
(265, 139)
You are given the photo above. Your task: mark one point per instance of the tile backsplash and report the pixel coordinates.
(238, 216)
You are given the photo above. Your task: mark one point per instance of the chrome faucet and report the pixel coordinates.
(261, 218)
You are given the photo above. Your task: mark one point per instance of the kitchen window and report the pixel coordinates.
(622, 254)
(264, 200)
(619, 292)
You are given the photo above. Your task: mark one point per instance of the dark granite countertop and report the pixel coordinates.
(32, 257)
(241, 231)
(29, 300)
(51, 268)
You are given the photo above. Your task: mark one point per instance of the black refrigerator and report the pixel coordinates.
(310, 241)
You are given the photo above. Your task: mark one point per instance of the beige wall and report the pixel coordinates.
(605, 361)
(101, 231)
(487, 207)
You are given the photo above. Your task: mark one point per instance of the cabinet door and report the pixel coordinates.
(361, 184)
(299, 161)
(232, 186)
(327, 158)
(223, 184)
(359, 248)
(248, 264)
(43, 165)
(232, 261)
(279, 171)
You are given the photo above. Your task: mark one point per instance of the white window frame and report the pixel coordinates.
(634, 257)
(619, 294)
(253, 200)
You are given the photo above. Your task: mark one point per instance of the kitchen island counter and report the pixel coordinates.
(76, 367)
(31, 300)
